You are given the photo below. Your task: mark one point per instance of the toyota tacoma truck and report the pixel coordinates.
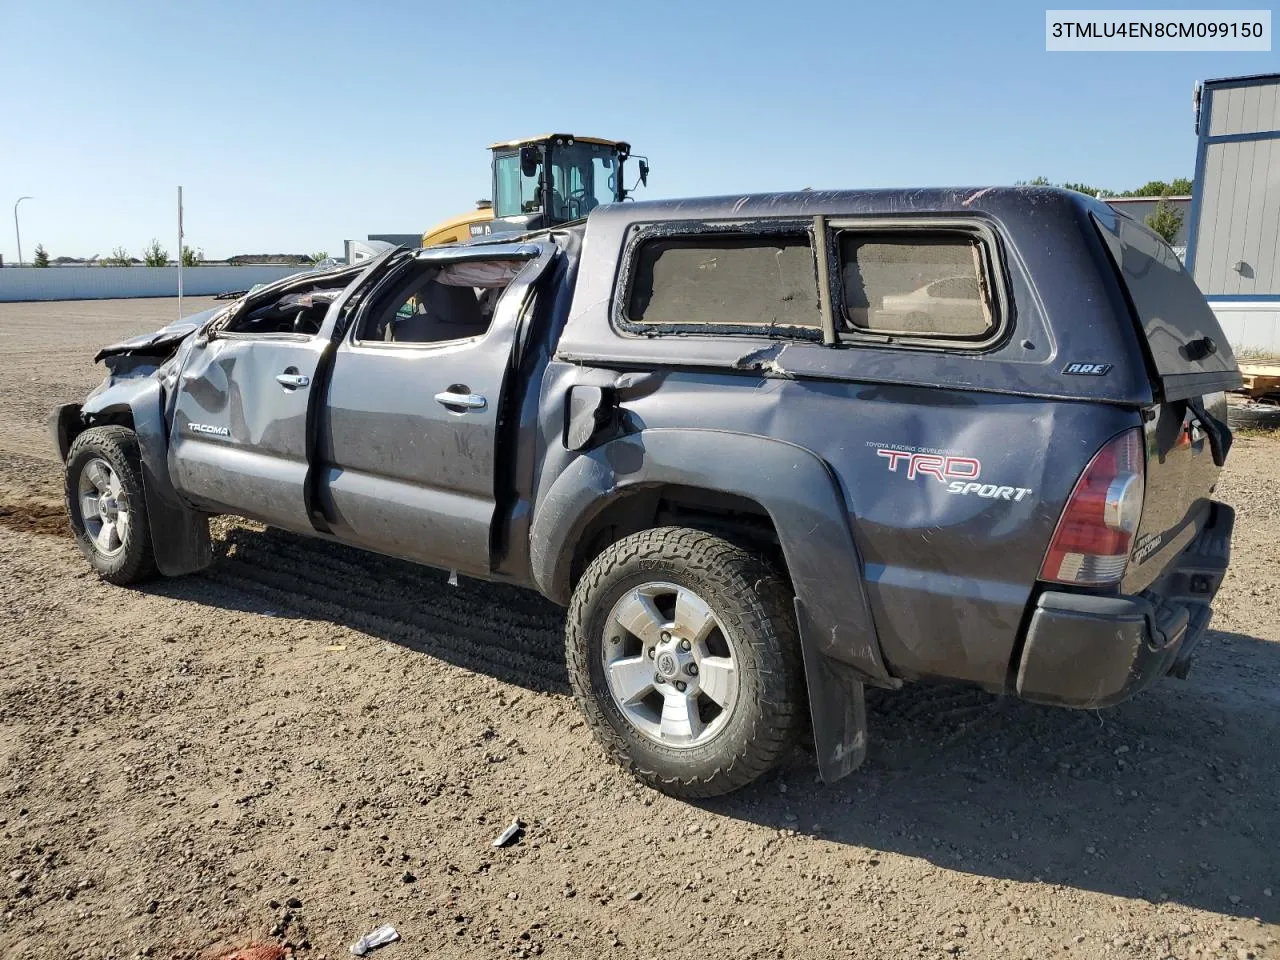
(767, 450)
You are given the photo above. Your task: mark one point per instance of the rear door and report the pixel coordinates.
(240, 440)
(407, 439)
(1191, 365)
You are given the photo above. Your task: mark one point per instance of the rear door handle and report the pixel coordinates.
(292, 380)
(471, 401)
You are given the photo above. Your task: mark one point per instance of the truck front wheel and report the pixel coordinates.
(683, 655)
(106, 504)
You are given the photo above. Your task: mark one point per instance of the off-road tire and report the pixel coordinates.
(118, 446)
(752, 602)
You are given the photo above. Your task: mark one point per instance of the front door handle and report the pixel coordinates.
(471, 401)
(292, 381)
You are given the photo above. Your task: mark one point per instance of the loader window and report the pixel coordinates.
(915, 285)
(726, 281)
(583, 176)
(514, 193)
(439, 303)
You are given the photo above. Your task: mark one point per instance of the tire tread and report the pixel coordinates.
(767, 625)
(119, 445)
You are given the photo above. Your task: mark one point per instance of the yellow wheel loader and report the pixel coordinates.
(543, 181)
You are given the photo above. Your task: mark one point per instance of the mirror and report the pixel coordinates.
(644, 172)
(529, 159)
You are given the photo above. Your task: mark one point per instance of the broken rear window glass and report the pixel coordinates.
(922, 285)
(762, 281)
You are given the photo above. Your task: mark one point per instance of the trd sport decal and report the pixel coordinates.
(960, 474)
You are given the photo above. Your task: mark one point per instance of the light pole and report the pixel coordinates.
(17, 232)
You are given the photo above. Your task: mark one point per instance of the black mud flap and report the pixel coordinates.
(1218, 432)
(179, 536)
(837, 707)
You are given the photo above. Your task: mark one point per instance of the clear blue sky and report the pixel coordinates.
(295, 125)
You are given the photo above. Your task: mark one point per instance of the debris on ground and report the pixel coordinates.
(383, 935)
(511, 834)
(972, 809)
(265, 951)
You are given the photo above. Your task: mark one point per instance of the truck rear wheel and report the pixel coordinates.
(683, 655)
(106, 504)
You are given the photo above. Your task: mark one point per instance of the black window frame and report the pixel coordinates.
(824, 232)
(642, 234)
(992, 264)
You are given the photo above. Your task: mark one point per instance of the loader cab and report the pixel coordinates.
(549, 180)
(543, 181)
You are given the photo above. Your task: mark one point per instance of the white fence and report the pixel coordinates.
(109, 283)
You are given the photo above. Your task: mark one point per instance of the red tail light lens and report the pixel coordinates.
(1094, 538)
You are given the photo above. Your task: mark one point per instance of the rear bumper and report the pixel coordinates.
(1084, 650)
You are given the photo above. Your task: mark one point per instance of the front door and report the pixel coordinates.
(239, 440)
(406, 446)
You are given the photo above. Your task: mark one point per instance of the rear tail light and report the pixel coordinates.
(1094, 538)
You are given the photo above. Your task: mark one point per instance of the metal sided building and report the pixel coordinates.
(1234, 243)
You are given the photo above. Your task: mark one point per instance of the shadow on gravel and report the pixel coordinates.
(508, 633)
(1171, 796)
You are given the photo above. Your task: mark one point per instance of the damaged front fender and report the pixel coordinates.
(179, 534)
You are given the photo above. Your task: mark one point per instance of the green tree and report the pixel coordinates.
(191, 258)
(1078, 187)
(119, 258)
(155, 255)
(314, 258)
(1153, 188)
(42, 256)
(1158, 188)
(1164, 220)
(1089, 190)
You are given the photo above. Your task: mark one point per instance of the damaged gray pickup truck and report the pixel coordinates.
(767, 450)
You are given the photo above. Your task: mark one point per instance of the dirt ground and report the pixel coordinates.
(308, 741)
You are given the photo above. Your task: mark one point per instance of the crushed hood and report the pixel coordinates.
(160, 343)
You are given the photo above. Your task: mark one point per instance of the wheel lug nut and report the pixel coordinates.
(685, 645)
(657, 678)
(680, 685)
(652, 653)
(665, 636)
(616, 640)
(692, 669)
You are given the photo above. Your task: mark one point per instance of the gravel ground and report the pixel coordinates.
(308, 741)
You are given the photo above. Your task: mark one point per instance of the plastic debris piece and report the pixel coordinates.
(383, 935)
(511, 834)
(336, 647)
(453, 578)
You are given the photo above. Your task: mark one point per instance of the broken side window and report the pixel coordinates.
(726, 281)
(915, 285)
(437, 303)
(301, 310)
